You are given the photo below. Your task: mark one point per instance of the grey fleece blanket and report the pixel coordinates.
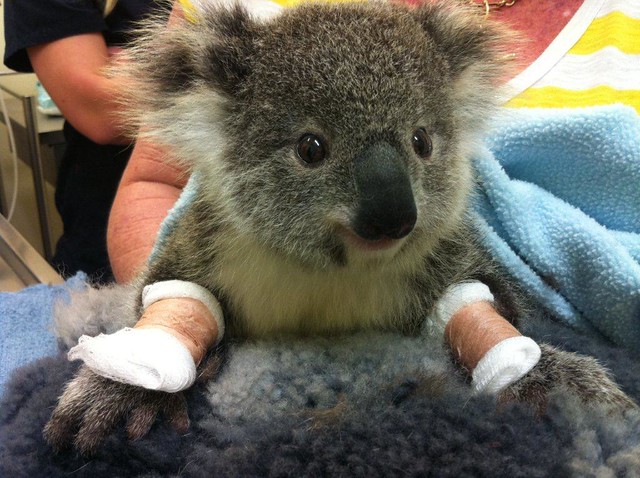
(365, 405)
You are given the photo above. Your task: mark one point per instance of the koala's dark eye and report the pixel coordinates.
(311, 149)
(422, 144)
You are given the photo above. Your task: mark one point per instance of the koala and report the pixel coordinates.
(332, 145)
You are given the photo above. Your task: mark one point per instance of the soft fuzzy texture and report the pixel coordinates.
(25, 318)
(560, 208)
(364, 405)
(376, 404)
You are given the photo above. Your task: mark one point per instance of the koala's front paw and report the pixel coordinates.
(92, 405)
(576, 374)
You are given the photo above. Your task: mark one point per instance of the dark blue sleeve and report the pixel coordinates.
(29, 23)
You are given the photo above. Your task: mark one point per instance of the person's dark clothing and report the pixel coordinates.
(89, 173)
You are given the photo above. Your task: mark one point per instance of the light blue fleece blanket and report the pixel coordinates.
(26, 324)
(560, 207)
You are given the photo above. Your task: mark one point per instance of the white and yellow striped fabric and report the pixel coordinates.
(601, 68)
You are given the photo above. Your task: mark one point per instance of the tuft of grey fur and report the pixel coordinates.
(572, 374)
(93, 311)
(271, 236)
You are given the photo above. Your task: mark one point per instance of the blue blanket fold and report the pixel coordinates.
(559, 205)
(25, 323)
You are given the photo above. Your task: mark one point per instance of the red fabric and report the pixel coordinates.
(539, 22)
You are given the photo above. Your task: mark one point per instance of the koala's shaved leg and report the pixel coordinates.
(180, 323)
(108, 388)
(483, 341)
(487, 344)
(188, 320)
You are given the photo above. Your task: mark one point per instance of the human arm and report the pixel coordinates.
(70, 69)
(148, 189)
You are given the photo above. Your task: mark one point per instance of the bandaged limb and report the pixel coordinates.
(483, 341)
(180, 323)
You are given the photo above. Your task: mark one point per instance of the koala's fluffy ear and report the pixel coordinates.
(261, 10)
(202, 57)
(178, 78)
(467, 38)
(223, 32)
(210, 45)
(479, 53)
(224, 59)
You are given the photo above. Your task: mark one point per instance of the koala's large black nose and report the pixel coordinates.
(386, 208)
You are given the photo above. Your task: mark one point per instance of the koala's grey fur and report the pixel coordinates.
(271, 236)
(232, 97)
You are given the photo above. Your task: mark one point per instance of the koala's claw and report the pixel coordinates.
(579, 375)
(91, 406)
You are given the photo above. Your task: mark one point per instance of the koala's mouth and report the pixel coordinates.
(354, 241)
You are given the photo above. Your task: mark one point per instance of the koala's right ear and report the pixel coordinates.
(260, 10)
(224, 57)
(175, 76)
(210, 46)
(223, 32)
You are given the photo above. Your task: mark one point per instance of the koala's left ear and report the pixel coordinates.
(467, 39)
(479, 53)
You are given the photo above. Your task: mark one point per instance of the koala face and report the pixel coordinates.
(337, 135)
(351, 121)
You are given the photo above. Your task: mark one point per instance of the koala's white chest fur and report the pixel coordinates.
(271, 296)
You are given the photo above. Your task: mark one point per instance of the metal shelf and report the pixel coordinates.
(20, 264)
(37, 129)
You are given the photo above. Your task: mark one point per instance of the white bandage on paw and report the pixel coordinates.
(458, 296)
(179, 289)
(497, 353)
(149, 357)
(506, 363)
